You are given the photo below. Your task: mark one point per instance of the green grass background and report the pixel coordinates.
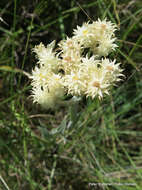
(68, 148)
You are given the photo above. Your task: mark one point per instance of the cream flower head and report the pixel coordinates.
(98, 36)
(70, 54)
(75, 83)
(46, 56)
(97, 85)
(79, 68)
(47, 87)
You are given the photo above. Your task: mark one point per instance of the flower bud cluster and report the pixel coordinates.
(79, 68)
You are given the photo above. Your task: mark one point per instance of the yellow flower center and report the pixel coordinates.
(110, 68)
(69, 43)
(96, 84)
(41, 76)
(68, 58)
(75, 78)
(103, 26)
(85, 32)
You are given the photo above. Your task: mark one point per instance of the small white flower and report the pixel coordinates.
(98, 36)
(114, 72)
(69, 45)
(104, 46)
(90, 62)
(40, 76)
(83, 35)
(104, 27)
(70, 54)
(99, 75)
(43, 97)
(47, 87)
(46, 56)
(75, 83)
(98, 85)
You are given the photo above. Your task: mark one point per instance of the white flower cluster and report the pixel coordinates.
(80, 67)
